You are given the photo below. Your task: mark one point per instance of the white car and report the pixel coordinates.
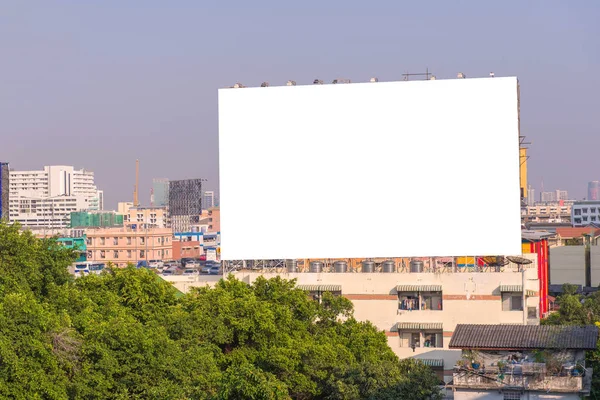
(192, 264)
(155, 264)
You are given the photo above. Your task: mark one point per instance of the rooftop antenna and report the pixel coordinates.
(406, 76)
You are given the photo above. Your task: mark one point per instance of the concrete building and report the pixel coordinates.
(584, 213)
(46, 198)
(557, 195)
(208, 200)
(418, 311)
(552, 212)
(502, 362)
(4, 190)
(157, 217)
(593, 191)
(121, 246)
(123, 207)
(530, 196)
(185, 204)
(568, 260)
(160, 192)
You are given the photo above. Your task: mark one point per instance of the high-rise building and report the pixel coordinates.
(530, 196)
(562, 195)
(208, 200)
(160, 192)
(547, 197)
(593, 190)
(46, 198)
(4, 190)
(185, 204)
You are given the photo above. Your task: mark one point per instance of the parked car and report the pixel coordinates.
(169, 272)
(142, 264)
(190, 271)
(155, 264)
(206, 268)
(192, 264)
(215, 270)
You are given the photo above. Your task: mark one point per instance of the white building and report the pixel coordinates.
(46, 198)
(584, 213)
(208, 200)
(418, 311)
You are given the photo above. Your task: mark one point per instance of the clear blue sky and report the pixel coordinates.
(97, 84)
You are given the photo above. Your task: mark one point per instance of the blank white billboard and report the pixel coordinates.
(395, 169)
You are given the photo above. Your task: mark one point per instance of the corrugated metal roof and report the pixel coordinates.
(418, 325)
(511, 288)
(321, 288)
(419, 288)
(432, 362)
(467, 336)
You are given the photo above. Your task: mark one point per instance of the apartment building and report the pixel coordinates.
(156, 217)
(584, 213)
(46, 198)
(419, 302)
(121, 246)
(211, 219)
(550, 212)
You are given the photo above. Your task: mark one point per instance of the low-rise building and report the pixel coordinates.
(152, 217)
(584, 213)
(417, 302)
(549, 212)
(502, 362)
(125, 245)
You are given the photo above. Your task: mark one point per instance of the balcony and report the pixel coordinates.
(532, 376)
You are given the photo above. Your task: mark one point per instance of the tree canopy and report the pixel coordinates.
(126, 334)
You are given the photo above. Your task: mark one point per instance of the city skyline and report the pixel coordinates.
(96, 99)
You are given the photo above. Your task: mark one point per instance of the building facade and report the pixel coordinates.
(4, 190)
(584, 213)
(125, 245)
(160, 192)
(501, 362)
(208, 200)
(185, 204)
(96, 219)
(46, 198)
(156, 217)
(593, 191)
(551, 212)
(419, 311)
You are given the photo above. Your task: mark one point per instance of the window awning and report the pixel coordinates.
(511, 288)
(321, 288)
(419, 288)
(418, 326)
(432, 362)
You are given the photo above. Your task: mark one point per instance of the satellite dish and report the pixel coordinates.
(519, 260)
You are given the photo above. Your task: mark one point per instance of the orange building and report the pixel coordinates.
(121, 246)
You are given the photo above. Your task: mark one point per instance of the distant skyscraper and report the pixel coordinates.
(160, 190)
(530, 196)
(593, 190)
(185, 204)
(208, 200)
(547, 197)
(562, 195)
(4, 177)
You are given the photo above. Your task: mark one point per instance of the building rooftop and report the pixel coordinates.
(516, 337)
(566, 233)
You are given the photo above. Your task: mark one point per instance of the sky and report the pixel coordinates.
(99, 84)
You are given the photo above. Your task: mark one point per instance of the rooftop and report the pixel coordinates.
(515, 337)
(565, 232)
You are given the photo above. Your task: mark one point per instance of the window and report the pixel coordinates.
(115, 241)
(593, 218)
(512, 301)
(433, 339)
(115, 254)
(593, 210)
(577, 212)
(531, 312)
(142, 254)
(584, 210)
(102, 254)
(128, 253)
(411, 301)
(585, 219)
(129, 240)
(142, 240)
(102, 241)
(89, 255)
(577, 220)
(512, 396)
